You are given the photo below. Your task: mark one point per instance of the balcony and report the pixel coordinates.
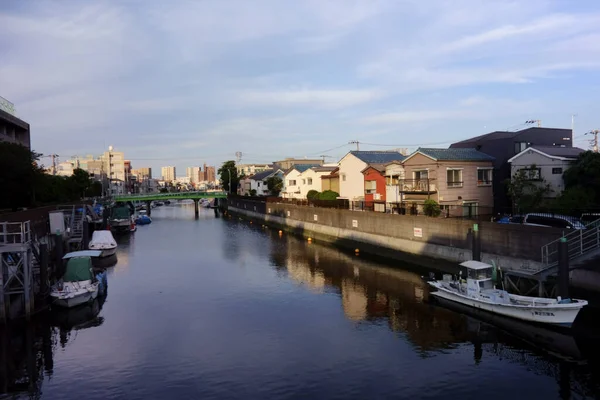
(419, 186)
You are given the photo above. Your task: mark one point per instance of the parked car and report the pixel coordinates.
(553, 220)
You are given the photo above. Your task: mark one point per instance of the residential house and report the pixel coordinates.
(503, 145)
(245, 186)
(258, 182)
(394, 172)
(374, 176)
(251, 169)
(331, 181)
(352, 182)
(310, 179)
(459, 179)
(293, 187)
(550, 163)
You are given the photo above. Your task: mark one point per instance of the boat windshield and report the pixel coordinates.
(479, 273)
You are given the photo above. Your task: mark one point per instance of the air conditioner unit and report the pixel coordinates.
(376, 196)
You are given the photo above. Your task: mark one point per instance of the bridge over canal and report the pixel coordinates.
(148, 198)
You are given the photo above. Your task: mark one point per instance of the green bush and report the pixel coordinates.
(328, 195)
(312, 194)
(431, 208)
(253, 192)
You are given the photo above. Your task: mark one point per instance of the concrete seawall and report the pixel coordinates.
(431, 242)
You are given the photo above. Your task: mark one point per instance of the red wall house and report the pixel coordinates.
(374, 183)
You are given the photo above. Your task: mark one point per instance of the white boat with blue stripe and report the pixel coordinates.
(478, 291)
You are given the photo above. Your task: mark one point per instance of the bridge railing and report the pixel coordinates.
(180, 195)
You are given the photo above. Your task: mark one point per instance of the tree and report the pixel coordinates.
(226, 171)
(275, 185)
(19, 173)
(252, 192)
(80, 181)
(328, 195)
(431, 208)
(312, 194)
(584, 176)
(527, 190)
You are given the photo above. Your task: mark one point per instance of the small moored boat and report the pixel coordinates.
(478, 291)
(103, 241)
(79, 284)
(143, 219)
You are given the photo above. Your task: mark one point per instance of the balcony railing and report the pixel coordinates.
(416, 185)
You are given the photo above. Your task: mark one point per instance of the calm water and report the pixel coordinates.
(221, 309)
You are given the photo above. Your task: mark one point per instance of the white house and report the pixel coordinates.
(394, 174)
(352, 181)
(549, 164)
(293, 188)
(311, 179)
(258, 182)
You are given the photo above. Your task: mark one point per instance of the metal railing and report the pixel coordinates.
(159, 196)
(15, 232)
(416, 185)
(579, 242)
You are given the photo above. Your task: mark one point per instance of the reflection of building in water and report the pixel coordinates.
(300, 271)
(354, 300)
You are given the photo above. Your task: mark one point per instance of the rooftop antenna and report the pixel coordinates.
(533, 121)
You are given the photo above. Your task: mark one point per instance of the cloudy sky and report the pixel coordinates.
(185, 82)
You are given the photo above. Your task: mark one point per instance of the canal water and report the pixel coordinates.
(218, 308)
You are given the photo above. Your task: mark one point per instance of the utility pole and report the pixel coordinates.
(356, 142)
(573, 126)
(54, 156)
(323, 157)
(594, 141)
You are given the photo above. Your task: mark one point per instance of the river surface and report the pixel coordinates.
(218, 308)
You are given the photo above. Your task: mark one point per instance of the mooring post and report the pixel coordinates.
(27, 283)
(476, 245)
(59, 252)
(196, 210)
(43, 268)
(563, 268)
(149, 208)
(85, 233)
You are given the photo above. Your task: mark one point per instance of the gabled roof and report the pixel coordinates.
(333, 174)
(452, 154)
(380, 167)
(324, 169)
(378, 157)
(555, 152)
(300, 168)
(264, 174)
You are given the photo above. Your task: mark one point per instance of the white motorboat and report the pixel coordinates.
(78, 285)
(478, 291)
(103, 241)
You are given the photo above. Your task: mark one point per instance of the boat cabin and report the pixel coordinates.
(479, 276)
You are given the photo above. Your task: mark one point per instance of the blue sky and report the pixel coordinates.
(186, 82)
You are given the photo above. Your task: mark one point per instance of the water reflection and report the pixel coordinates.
(373, 294)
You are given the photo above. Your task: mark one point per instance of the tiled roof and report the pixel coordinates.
(303, 167)
(508, 134)
(557, 151)
(323, 169)
(377, 157)
(455, 154)
(264, 174)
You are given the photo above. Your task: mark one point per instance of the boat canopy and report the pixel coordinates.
(120, 213)
(78, 269)
(84, 253)
(472, 264)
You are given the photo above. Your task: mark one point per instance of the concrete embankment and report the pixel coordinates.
(416, 239)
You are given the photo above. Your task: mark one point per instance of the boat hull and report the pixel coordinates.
(74, 299)
(108, 252)
(551, 315)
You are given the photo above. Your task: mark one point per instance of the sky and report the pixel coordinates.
(186, 82)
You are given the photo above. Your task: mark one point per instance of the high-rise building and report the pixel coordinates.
(193, 173)
(209, 173)
(142, 173)
(114, 164)
(13, 129)
(168, 174)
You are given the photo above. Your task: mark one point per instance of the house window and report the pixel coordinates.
(258, 184)
(484, 177)
(304, 181)
(292, 182)
(557, 171)
(344, 177)
(454, 178)
(520, 146)
(532, 174)
(370, 187)
(420, 175)
(310, 181)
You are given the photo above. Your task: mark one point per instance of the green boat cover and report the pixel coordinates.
(120, 213)
(78, 269)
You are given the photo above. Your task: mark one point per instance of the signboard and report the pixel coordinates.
(289, 213)
(354, 223)
(315, 217)
(417, 232)
(7, 106)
